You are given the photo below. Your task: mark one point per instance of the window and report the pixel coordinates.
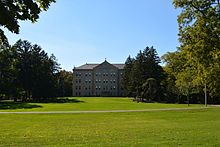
(76, 87)
(85, 88)
(76, 81)
(76, 93)
(79, 87)
(89, 81)
(86, 74)
(113, 81)
(79, 80)
(89, 74)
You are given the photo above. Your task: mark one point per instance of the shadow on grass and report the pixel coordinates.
(17, 105)
(61, 100)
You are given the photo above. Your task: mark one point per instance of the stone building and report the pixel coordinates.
(103, 79)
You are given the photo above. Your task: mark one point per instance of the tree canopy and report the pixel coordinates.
(196, 63)
(11, 11)
(28, 73)
(144, 71)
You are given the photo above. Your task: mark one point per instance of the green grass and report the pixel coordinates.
(185, 128)
(77, 104)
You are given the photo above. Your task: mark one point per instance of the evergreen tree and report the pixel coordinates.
(127, 81)
(36, 71)
(139, 70)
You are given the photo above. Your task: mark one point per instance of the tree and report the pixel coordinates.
(199, 31)
(11, 11)
(127, 78)
(185, 83)
(36, 71)
(64, 83)
(145, 66)
(149, 90)
(8, 72)
(174, 64)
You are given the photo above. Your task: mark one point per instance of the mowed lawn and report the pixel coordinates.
(188, 128)
(83, 103)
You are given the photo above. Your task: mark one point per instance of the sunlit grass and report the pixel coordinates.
(164, 128)
(95, 103)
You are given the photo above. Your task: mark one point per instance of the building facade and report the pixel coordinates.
(103, 79)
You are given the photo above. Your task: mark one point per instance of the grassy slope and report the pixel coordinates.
(96, 104)
(165, 128)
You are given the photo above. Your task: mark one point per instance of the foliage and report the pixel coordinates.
(64, 83)
(27, 72)
(145, 66)
(196, 63)
(199, 34)
(11, 11)
(149, 90)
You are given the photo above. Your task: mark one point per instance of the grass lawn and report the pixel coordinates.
(76, 104)
(187, 128)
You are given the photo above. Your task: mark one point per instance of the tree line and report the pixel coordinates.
(192, 72)
(28, 73)
(188, 75)
(144, 75)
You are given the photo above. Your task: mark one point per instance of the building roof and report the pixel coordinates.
(119, 66)
(87, 66)
(91, 66)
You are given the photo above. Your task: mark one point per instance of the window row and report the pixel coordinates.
(79, 87)
(105, 88)
(86, 81)
(97, 88)
(105, 81)
(105, 74)
(86, 74)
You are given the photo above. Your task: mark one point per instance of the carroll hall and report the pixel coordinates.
(104, 79)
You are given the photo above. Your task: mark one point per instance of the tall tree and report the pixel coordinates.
(141, 69)
(36, 71)
(127, 79)
(64, 83)
(11, 11)
(8, 72)
(199, 31)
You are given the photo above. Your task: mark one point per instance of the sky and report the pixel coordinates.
(88, 31)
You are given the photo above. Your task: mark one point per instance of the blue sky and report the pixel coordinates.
(88, 31)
